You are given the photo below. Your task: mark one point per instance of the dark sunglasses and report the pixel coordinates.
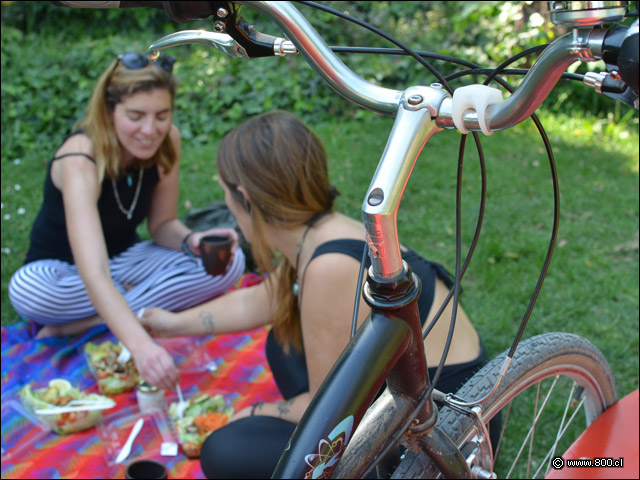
(137, 60)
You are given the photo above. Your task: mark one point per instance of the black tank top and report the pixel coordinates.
(424, 269)
(290, 370)
(49, 238)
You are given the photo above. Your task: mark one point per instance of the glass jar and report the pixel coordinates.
(150, 398)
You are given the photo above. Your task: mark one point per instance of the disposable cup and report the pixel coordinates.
(146, 468)
(215, 251)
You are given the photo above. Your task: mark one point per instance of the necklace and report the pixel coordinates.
(129, 212)
(300, 244)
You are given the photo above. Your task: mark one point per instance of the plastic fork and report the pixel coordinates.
(126, 449)
(88, 401)
(182, 405)
(96, 405)
(125, 354)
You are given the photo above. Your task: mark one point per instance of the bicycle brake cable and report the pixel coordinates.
(554, 234)
(460, 271)
(356, 307)
(384, 35)
(545, 266)
(556, 214)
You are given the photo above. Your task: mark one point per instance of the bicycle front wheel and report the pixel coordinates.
(558, 383)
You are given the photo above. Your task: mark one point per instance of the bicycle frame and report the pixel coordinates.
(323, 433)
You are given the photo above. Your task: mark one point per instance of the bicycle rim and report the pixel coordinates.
(558, 383)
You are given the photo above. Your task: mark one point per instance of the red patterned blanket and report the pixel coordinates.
(31, 451)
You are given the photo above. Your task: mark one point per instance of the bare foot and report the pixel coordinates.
(72, 328)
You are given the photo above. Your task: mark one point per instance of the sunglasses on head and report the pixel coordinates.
(137, 60)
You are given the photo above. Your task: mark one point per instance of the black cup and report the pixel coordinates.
(146, 468)
(215, 251)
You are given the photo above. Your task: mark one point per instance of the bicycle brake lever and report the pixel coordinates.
(254, 43)
(604, 84)
(628, 97)
(219, 41)
(222, 42)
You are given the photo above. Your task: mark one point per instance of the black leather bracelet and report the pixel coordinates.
(185, 245)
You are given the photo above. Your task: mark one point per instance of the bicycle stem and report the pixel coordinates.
(411, 130)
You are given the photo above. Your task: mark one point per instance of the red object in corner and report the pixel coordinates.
(613, 435)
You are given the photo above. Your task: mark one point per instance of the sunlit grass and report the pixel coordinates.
(592, 285)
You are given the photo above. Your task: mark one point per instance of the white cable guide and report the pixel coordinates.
(474, 98)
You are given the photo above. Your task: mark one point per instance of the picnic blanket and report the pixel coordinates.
(234, 364)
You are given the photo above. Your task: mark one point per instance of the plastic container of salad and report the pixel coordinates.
(114, 377)
(63, 408)
(205, 413)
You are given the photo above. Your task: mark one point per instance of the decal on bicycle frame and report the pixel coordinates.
(329, 449)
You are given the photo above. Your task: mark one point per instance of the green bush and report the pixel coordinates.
(45, 92)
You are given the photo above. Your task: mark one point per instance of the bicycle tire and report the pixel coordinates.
(543, 358)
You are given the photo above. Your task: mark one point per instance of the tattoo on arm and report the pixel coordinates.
(207, 321)
(285, 407)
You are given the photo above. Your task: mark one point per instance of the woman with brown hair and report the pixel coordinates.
(273, 170)
(86, 264)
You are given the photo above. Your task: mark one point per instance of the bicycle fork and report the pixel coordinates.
(389, 343)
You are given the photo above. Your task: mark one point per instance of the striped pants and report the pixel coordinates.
(51, 292)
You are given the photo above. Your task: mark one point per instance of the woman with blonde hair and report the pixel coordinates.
(86, 263)
(273, 170)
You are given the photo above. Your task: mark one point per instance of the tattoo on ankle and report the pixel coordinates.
(207, 321)
(285, 407)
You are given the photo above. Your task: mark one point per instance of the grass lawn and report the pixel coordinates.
(592, 285)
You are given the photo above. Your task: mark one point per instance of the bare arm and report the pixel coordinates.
(77, 178)
(326, 312)
(238, 310)
(326, 323)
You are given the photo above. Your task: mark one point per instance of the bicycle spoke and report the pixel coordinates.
(535, 409)
(504, 426)
(550, 454)
(535, 421)
(561, 430)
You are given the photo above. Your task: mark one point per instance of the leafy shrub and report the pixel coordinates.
(52, 57)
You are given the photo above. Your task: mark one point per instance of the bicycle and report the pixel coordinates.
(342, 433)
